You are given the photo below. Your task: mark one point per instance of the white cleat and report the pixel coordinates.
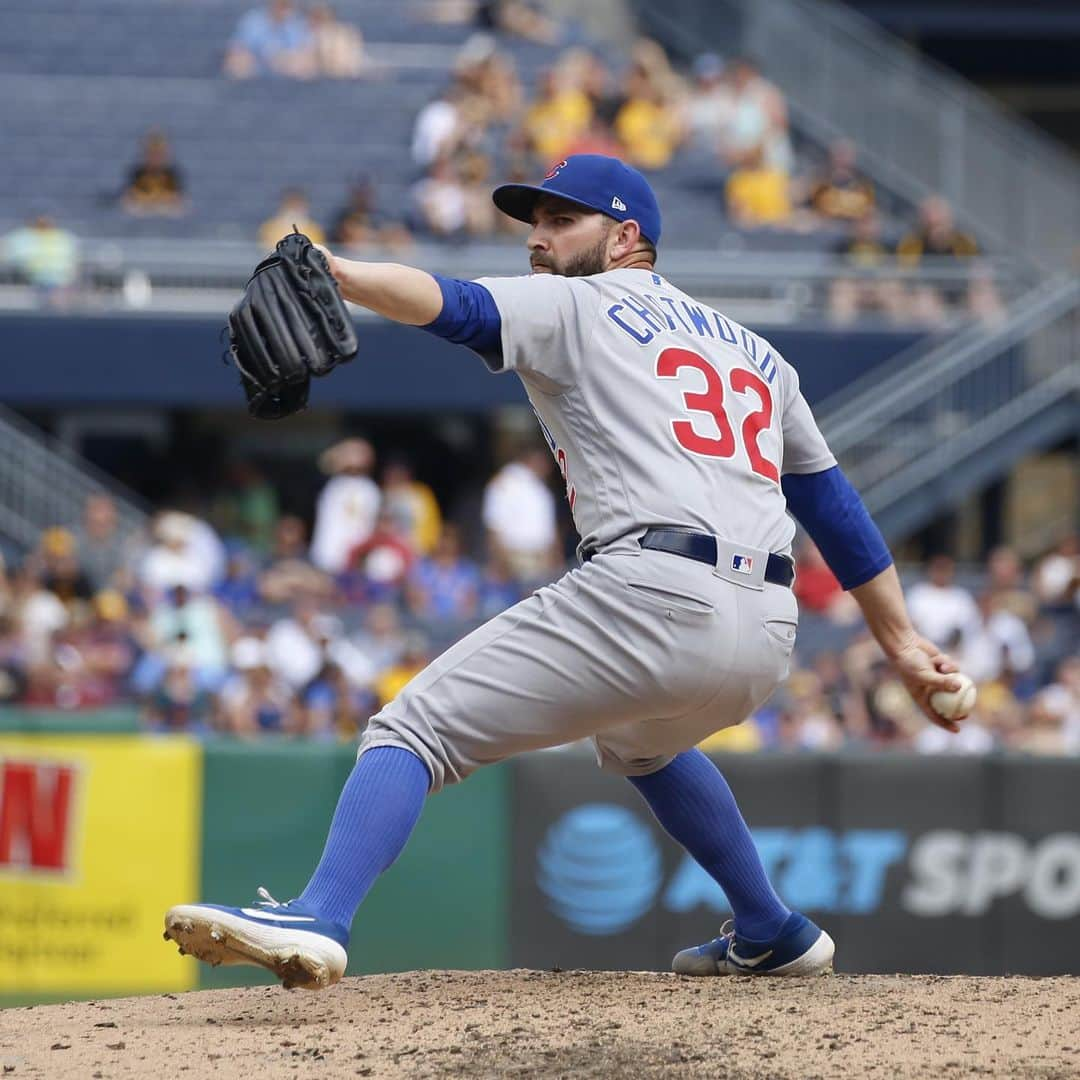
(300, 947)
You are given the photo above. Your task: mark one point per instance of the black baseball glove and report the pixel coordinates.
(290, 324)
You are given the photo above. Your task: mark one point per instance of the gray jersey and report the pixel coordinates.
(658, 409)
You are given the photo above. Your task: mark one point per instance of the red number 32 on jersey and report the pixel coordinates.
(671, 362)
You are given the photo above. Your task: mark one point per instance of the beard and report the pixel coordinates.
(581, 264)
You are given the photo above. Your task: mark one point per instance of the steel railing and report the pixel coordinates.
(964, 402)
(43, 483)
(187, 276)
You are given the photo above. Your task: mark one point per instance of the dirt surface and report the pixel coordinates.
(565, 1024)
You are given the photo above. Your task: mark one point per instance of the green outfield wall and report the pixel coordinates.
(946, 864)
(102, 828)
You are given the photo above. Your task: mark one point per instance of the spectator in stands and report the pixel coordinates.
(61, 573)
(40, 613)
(1001, 649)
(584, 69)
(1061, 701)
(253, 700)
(94, 655)
(841, 193)
(650, 122)
(289, 573)
(935, 235)
(438, 127)
(1057, 576)
(13, 660)
(185, 551)
(864, 250)
(558, 116)
(444, 586)
(104, 548)
(238, 590)
(474, 173)
(382, 641)
(359, 225)
(271, 40)
(758, 194)
(330, 706)
(245, 508)
(200, 622)
(294, 211)
(440, 202)
(943, 611)
(758, 130)
(44, 256)
(180, 702)
(498, 588)
(154, 184)
(519, 17)
(379, 566)
(347, 506)
(597, 138)
(337, 48)
(710, 104)
(1006, 584)
(412, 505)
(414, 658)
(299, 644)
(519, 514)
(489, 79)
(817, 589)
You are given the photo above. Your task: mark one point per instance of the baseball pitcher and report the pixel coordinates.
(685, 444)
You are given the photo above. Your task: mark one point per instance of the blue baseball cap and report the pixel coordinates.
(604, 184)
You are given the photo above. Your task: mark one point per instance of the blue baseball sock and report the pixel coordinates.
(379, 805)
(693, 802)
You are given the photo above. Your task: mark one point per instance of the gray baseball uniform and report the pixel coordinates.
(660, 412)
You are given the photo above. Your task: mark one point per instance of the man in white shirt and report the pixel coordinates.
(941, 610)
(519, 514)
(348, 505)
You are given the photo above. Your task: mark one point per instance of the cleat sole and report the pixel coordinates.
(307, 961)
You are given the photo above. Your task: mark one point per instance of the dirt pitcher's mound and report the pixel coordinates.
(572, 1024)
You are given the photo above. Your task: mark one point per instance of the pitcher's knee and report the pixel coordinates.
(623, 762)
(427, 747)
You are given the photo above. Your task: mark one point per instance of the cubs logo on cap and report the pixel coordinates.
(597, 182)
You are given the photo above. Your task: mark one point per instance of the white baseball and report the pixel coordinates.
(954, 704)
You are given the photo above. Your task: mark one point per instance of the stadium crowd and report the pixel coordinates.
(240, 621)
(724, 124)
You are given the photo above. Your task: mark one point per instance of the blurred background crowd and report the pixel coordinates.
(719, 129)
(234, 617)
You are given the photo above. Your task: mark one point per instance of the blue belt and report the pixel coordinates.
(701, 547)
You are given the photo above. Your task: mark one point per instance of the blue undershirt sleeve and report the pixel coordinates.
(469, 317)
(830, 510)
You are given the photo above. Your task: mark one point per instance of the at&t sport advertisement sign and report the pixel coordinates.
(912, 864)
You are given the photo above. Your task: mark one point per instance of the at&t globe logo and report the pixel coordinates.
(599, 866)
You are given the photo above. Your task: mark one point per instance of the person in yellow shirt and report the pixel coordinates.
(758, 194)
(649, 129)
(392, 680)
(413, 506)
(294, 210)
(558, 116)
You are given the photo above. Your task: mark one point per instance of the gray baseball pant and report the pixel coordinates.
(646, 652)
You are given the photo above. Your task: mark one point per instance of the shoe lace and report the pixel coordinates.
(266, 900)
